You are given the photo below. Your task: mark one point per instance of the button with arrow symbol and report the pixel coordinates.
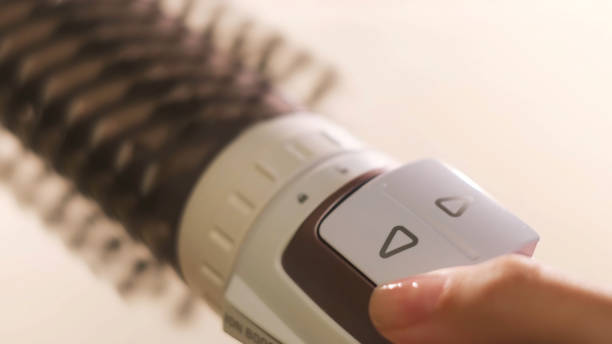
(398, 240)
(454, 206)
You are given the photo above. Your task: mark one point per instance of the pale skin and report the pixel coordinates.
(511, 299)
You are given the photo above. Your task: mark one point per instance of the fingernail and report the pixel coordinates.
(407, 302)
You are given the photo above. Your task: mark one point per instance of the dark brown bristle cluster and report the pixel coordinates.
(125, 102)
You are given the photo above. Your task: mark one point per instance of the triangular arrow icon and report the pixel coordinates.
(406, 234)
(454, 206)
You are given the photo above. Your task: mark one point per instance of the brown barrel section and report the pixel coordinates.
(326, 277)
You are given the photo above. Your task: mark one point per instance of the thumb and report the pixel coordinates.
(510, 299)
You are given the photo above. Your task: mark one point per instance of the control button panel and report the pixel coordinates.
(421, 217)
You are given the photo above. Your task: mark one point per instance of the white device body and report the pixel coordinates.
(249, 204)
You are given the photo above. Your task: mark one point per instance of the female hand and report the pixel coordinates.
(511, 299)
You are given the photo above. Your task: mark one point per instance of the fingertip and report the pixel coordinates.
(403, 304)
